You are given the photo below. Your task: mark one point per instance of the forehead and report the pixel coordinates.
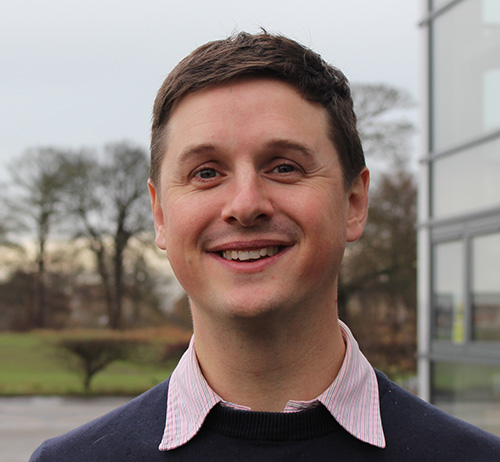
(239, 108)
(254, 84)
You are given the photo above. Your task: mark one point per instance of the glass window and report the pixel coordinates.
(486, 288)
(448, 301)
(470, 392)
(491, 12)
(466, 66)
(491, 97)
(467, 181)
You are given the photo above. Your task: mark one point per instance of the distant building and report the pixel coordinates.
(459, 210)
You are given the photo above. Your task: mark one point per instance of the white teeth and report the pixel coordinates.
(245, 255)
(254, 254)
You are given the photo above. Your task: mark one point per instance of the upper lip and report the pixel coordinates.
(249, 245)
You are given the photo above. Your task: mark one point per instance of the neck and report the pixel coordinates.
(263, 364)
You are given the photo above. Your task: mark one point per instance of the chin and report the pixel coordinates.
(259, 309)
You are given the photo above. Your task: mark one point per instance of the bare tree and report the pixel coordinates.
(11, 224)
(377, 290)
(108, 195)
(377, 285)
(4, 226)
(382, 123)
(37, 202)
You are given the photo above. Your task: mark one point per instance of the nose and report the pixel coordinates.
(248, 202)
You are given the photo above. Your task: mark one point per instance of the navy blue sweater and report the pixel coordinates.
(414, 431)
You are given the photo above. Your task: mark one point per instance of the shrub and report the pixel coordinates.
(88, 356)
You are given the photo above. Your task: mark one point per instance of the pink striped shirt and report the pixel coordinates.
(352, 398)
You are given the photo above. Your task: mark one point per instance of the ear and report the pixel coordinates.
(358, 206)
(158, 216)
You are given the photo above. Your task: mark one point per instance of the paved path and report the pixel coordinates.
(26, 422)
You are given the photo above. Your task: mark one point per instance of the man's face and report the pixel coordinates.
(251, 206)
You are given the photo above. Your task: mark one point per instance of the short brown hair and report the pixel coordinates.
(263, 55)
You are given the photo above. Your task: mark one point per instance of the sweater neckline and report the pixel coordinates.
(306, 424)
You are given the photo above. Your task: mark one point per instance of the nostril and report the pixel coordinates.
(248, 202)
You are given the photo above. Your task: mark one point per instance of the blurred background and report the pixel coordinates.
(90, 308)
(459, 210)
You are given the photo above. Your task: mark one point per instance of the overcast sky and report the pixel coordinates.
(85, 72)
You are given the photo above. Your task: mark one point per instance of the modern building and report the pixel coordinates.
(459, 210)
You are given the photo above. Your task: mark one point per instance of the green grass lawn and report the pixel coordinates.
(29, 365)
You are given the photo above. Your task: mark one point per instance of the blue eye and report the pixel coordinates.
(206, 173)
(285, 168)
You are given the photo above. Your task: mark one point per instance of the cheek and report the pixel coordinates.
(186, 219)
(323, 222)
(323, 214)
(179, 248)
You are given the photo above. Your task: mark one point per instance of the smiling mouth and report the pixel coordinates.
(250, 255)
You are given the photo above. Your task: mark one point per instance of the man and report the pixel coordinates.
(257, 182)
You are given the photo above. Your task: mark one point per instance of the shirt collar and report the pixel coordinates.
(352, 398)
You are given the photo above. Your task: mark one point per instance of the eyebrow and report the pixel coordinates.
(288, 145)
(195, 150)
(274, 144)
